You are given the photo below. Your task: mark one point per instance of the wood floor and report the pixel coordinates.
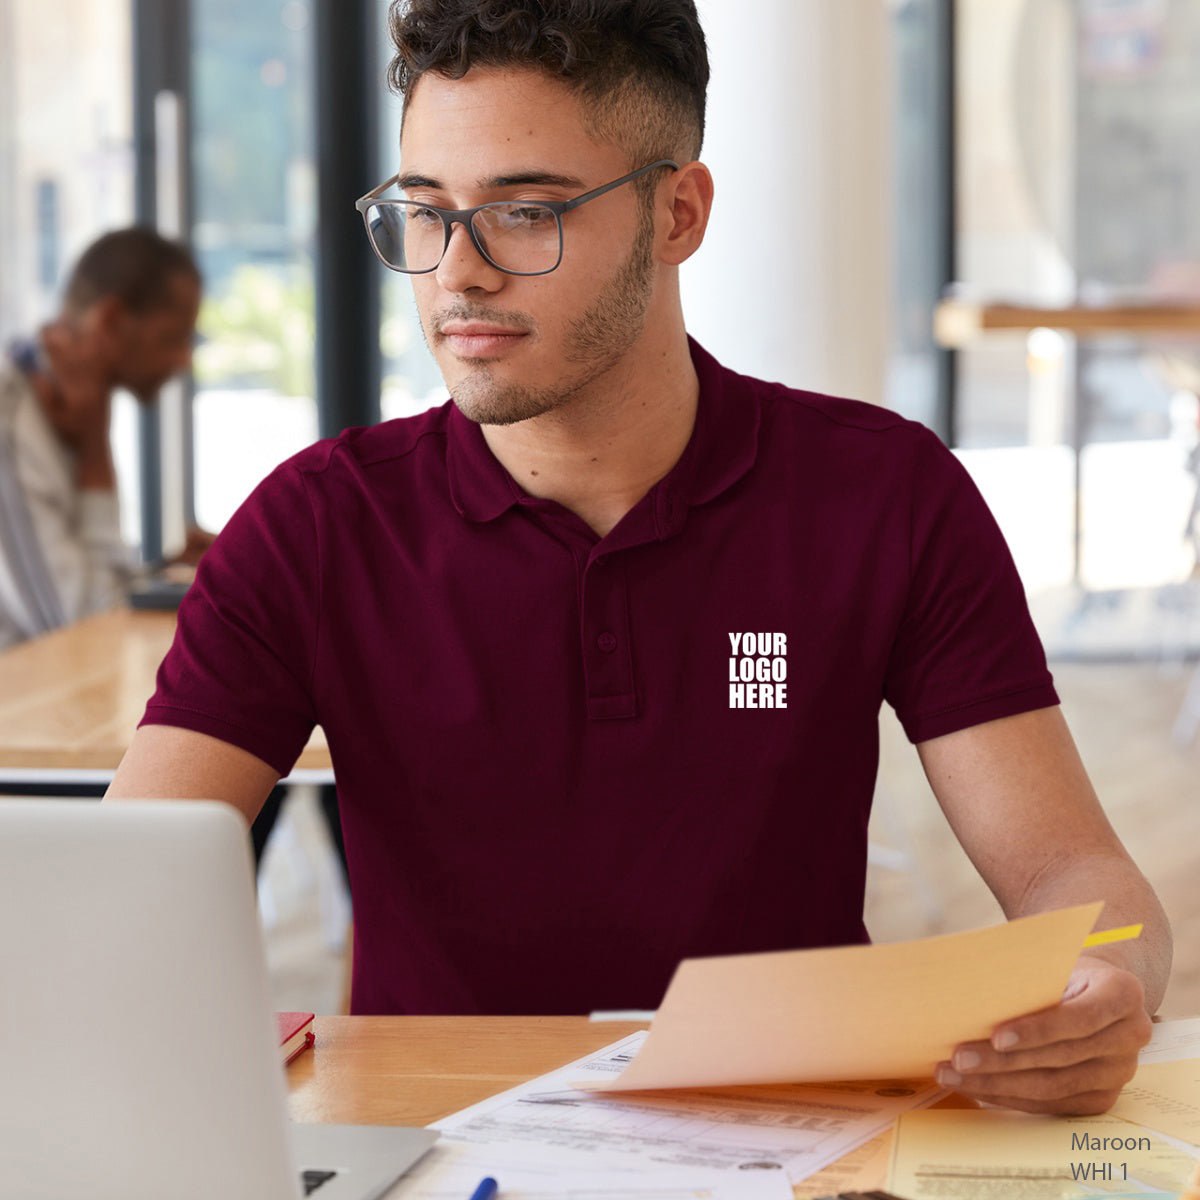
(1121, 716)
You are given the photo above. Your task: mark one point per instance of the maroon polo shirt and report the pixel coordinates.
(566, 762)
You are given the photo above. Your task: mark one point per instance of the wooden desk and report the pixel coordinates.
(958, 322)
(414, 1070)
(71, 700)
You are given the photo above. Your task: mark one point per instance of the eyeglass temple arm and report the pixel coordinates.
(567, 205)
(375, 193)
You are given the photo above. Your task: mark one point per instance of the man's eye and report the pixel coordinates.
(517, 217)
(424, 216)
(534, 214)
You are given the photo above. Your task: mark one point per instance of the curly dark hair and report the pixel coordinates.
(137, 265)
(641, 66)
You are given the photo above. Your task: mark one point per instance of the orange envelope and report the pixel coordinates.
(852, 1012)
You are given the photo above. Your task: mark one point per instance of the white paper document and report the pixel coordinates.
(451, 1171)
(742, 1131)
(1172, 1041)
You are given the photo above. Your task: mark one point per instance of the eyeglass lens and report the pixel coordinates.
(516, 237)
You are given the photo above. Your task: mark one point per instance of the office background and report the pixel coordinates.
(869, 155)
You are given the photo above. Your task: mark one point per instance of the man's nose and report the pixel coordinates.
(463, 267)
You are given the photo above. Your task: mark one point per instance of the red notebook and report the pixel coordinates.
(295, 1033)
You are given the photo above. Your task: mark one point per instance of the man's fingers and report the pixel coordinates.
(1085, 1010)
(1123, 1037)
(1073, 1058)
(1097, 1081)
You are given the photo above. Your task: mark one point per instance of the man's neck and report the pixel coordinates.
(599, 454)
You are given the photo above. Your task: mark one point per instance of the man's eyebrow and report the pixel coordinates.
(541, 178)
(414, 179)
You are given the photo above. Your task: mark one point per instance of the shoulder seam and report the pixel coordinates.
(811, 401)
(332, 447)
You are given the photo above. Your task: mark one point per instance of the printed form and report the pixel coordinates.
(956, 1155)
(964, 1154)
(779, 1132)
(451, 1171)
(1172, 1041)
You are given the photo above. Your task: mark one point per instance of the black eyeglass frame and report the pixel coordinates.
(465, 216)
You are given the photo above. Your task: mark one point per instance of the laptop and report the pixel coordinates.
(138, 1055)
(161, 586)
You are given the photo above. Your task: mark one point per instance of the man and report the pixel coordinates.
(127, 320)
(599, 647)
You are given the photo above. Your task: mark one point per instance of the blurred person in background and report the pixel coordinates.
(128, 320)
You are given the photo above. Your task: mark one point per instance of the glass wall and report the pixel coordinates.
(66, 167)
(411, 380)
(253, 210)
(919, 383)
(1078, 184)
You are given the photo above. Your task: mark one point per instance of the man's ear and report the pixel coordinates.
(689, 197)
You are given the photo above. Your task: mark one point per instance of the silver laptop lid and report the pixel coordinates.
(136, 1036)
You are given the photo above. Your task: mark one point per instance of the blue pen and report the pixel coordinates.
(486, 1190)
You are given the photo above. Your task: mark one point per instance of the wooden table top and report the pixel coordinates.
(71, 700)
(957, 322)
(414, 1070)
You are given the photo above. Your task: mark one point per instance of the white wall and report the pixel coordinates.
(793, 280)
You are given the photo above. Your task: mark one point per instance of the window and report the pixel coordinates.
(66, 167)
(253, 213)
(1077, 183)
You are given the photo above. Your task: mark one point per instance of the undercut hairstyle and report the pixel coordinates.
(639, 66)
(136, 265)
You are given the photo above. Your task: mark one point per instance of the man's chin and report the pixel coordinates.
(487, 402)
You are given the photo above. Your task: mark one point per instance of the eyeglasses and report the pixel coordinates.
(518, 237)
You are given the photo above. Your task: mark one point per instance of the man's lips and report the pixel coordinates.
(479, 339)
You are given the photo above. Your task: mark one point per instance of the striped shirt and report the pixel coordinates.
(61, 554)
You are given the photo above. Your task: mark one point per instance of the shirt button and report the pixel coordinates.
(607, 642)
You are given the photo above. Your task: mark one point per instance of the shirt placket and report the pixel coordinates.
(606, 639)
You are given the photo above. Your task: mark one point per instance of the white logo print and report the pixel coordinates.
(758, 670)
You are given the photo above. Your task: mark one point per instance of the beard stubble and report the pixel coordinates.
(596, 342)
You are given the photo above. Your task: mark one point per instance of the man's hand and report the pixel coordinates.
(198, 541)
(77, 401)
(1073, 1058)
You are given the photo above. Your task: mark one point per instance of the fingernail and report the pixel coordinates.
(967, 1060)
(1006, 1040)
(948, 1077)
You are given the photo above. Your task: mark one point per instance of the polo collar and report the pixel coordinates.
(722, 448)
(480, 487)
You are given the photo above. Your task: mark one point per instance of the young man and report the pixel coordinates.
(128, 318)
(599, 647)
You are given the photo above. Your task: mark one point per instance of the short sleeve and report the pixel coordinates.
(966, 650)
(241, 665)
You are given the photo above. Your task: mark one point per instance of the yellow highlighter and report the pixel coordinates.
(1102, 938)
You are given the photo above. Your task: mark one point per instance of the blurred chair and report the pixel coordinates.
(1182, 375)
